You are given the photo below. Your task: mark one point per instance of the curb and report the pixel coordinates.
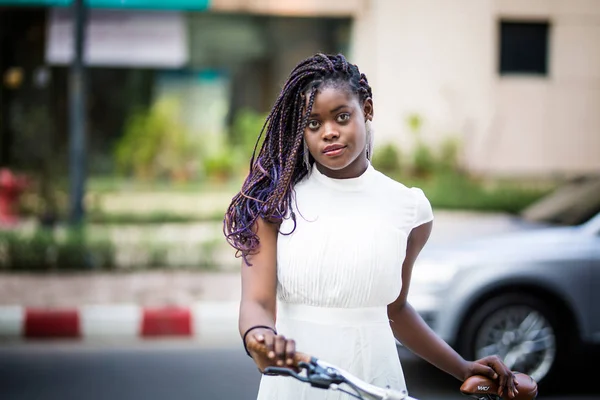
(206, 320)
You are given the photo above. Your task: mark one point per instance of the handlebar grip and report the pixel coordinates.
(477, 384)
(263, 361)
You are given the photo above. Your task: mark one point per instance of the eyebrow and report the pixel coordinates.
(338, 108)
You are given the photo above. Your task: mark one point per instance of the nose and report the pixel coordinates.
(330, 133)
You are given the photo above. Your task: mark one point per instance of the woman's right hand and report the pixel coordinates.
(279, 350)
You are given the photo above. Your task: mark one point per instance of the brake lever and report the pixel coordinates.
(284, 372)
(321, 377)
(316, 375)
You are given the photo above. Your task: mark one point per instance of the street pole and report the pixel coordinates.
(77, 117)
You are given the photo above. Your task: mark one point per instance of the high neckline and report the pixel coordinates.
(348, 184)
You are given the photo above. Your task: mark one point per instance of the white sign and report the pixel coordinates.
(121, 38)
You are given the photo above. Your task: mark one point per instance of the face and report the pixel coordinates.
(336, 132)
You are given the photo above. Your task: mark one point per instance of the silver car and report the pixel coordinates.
(531, 295)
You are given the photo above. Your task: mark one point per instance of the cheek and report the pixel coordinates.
(309, 139)
(360, 133)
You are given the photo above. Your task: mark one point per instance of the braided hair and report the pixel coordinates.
(278, 165)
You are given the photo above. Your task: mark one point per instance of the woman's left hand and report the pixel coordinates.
(494, 368)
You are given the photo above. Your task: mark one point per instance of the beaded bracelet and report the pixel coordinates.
(252, 328)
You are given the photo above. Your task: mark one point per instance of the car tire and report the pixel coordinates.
(482, 328)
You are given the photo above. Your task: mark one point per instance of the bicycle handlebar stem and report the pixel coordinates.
(366, 389)
(322, 375)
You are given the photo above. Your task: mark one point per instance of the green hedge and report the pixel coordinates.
(155, 217)
(460, 192)
(42, 250)
(46, 251)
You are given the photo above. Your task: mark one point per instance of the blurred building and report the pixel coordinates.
(517, 80)
(216, 62)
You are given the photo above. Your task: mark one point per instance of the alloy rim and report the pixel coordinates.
(522, 337)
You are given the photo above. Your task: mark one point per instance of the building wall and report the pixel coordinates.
(430, 58)
(439, 59)
(552, 124)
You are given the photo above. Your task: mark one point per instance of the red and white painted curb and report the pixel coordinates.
(206, 320)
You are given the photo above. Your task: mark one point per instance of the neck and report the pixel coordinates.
(354, 170)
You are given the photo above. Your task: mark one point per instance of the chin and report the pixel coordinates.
(334, 165)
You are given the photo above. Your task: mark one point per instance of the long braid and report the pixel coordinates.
(278, 165)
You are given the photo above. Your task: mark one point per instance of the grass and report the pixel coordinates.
(154, 217)
(108, 184)
(459, 192)
(445, 190)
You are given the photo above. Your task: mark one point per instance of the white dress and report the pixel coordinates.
(337, 272)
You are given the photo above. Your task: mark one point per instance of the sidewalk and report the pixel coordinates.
(123, 306)
(203, 305)
(145, 289)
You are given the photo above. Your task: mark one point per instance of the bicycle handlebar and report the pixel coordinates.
(323, 375)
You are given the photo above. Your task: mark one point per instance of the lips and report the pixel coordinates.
(333, 149)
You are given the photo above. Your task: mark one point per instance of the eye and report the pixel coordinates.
(313, 124)
(343, 117)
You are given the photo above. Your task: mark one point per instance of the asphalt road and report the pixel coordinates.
(171, 370)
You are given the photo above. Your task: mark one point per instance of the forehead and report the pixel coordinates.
(330, 97)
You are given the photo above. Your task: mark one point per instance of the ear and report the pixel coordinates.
(368, 109)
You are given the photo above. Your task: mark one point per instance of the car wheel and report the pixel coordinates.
(521, 329)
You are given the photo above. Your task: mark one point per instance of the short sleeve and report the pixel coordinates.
(423, 211)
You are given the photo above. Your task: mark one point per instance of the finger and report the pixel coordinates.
(485, 371)
(509, 387)
(500, 372)
(290, 351)
(280, 349)
(498, 366)
(269, 341)
(502, 382)
(514, 383)
(259, 337)
(507, 378)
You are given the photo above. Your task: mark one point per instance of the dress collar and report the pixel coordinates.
(348, 184)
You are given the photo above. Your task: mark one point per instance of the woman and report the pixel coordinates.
(329, 243)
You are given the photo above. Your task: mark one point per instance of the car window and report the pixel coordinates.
(570, 204)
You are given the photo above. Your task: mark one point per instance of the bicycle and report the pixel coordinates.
(322, 375)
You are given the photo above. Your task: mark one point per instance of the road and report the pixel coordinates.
(169, 370)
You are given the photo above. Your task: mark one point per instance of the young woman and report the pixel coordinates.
(329, 243)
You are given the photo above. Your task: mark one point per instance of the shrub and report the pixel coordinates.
(245, 129)
(449, 154)
(453, 190)
(220, 166)
(387, 159)
(424, 162)
(43, 250)
(231, 157)
(156, 144)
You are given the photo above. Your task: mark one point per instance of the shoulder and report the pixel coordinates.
(403, 196)
(385, 183)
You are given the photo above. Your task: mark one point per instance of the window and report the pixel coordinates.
(524, 48)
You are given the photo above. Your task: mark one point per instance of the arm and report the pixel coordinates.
(410, 329)
(258, 304)
(259, 281)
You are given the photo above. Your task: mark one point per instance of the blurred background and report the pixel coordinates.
(126, 126)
